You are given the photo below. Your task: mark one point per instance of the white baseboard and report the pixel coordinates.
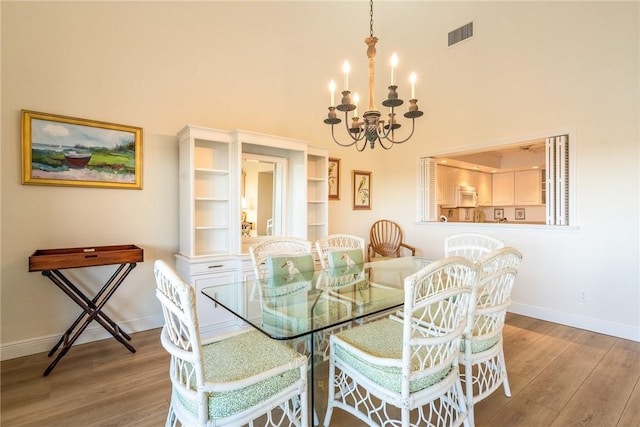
(581, 322)
(94, 332)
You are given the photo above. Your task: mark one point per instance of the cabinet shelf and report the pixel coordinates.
(208, 171)
(211, 227)
(210, 199)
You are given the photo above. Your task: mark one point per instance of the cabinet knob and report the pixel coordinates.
(216, 266)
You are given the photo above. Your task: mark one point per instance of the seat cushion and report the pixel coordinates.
(381, 339)
(483, 337)
(239, 358)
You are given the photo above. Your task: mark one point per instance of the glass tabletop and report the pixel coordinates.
(294, 306)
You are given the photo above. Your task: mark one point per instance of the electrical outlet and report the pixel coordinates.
(582, 296)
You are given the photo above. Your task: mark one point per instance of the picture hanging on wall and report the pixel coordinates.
(361, 190)
(519, 214)
(498, 213)
(59, 150)
(334, 179)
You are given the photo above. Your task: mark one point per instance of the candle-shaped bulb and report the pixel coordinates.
(356, 98)
(394, 63)
(332, 89)
(346, 68)
(413, 85)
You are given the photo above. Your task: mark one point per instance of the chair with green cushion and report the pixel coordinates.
(340, 247)
(482, 354)
(471, 245)
(232, 379)
(402, 372)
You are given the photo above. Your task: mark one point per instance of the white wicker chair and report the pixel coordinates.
(337, 242)
(275, 246)
(231, 380)
(404, 363)
(482, 354)
(470, 245)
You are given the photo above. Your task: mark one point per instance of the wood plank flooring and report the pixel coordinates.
(559, 376)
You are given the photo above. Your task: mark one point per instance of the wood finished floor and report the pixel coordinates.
(560, 376)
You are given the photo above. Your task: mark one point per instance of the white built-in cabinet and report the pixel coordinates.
(317, 193)
(212, 251)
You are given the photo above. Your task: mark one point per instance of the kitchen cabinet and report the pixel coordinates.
(527, 187)
(447, 180)
(502, 189)
(482, 182)
(520, 188)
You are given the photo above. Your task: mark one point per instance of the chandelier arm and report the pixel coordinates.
(393, 141)
(354, 140)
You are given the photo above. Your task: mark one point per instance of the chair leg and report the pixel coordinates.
(332, 392)
(172, 420)
(505, 377)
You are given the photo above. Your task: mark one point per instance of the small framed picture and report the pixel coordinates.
(334, 179)
(361, 190)
(498, 213)
(519, 214)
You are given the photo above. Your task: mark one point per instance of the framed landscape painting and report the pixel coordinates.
(59, 150)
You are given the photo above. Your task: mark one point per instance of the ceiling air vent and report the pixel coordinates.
(462, 33)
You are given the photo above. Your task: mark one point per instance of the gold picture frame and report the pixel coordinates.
(68, 151)
(334, 179)
(361, 190)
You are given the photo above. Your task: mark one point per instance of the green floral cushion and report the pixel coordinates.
(344, 258)
(290, 266)
(382, 339)
(236, 359)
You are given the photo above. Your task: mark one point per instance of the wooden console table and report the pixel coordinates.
(51, 261)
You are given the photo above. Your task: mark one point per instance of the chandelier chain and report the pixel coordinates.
(371, 18)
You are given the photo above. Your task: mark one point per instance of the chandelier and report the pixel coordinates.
(371, 128)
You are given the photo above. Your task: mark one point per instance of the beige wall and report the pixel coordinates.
(531, 68)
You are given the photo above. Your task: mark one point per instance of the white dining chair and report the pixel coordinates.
(265, 251)
(482, 355)
(402, 372)
(232, 379)
(340, 246)
(470, 245)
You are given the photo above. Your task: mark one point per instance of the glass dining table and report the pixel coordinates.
(305, 308)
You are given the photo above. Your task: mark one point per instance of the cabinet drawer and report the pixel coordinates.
(210, 267)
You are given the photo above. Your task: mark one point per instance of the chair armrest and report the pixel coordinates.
(409, 247)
